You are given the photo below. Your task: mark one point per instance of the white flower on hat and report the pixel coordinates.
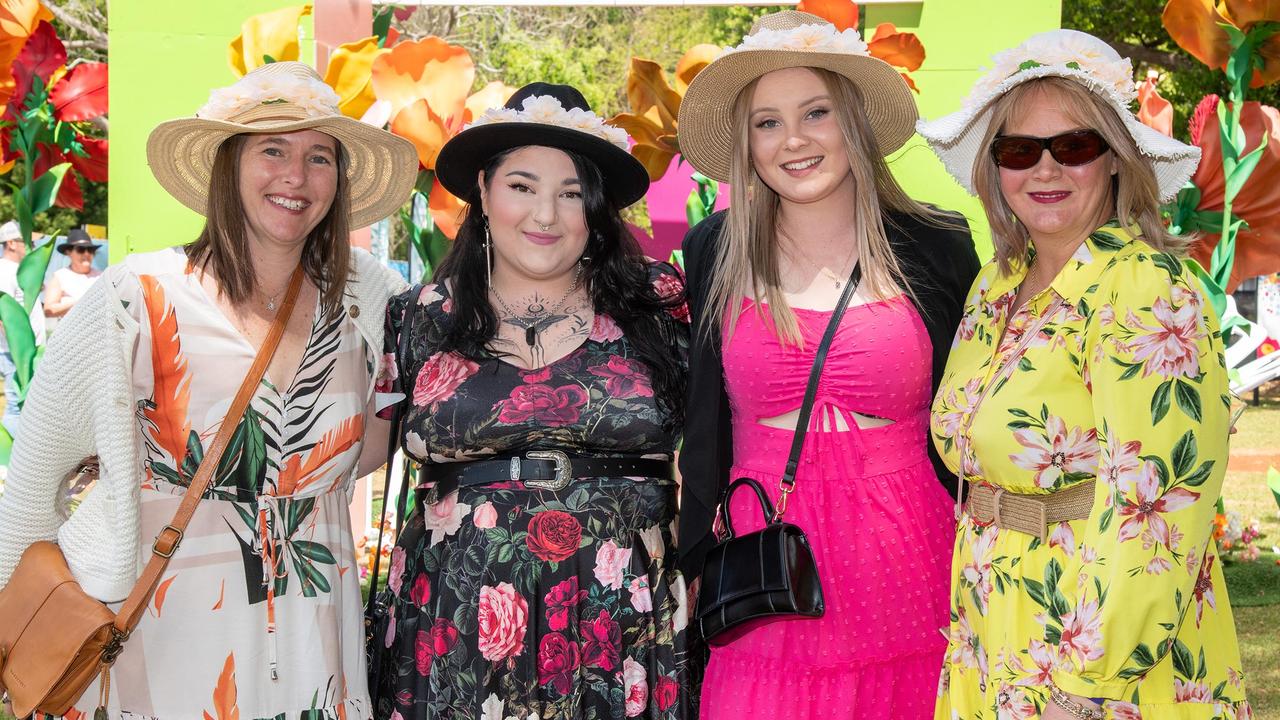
(814, 38)
(315, 98)
(547, 110)
(1073, 54)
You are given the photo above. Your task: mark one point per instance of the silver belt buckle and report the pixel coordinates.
(563, 470)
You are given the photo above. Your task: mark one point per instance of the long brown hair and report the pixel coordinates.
(1135, 191)
(223, 246)
(747, 259)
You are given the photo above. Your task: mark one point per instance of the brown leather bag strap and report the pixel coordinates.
(170, 537)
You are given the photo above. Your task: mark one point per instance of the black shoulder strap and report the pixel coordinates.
(393, 441)
(811, 392)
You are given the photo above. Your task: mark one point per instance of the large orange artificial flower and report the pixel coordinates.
(425, 85)
(1196, 25)
(1258, 247)
(349, 73)
(267, 37)
(18, 20)
(655, 105)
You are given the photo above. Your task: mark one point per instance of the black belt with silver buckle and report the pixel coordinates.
(538, 469)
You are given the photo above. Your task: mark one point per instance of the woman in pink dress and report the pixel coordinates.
(798, 119)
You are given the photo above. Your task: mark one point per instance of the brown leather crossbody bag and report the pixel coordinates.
(55, 638)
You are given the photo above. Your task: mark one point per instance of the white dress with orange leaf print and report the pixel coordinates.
(258, 615)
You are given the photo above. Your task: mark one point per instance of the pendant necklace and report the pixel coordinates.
(540, 316)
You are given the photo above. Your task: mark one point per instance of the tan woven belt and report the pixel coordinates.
(1030, 514)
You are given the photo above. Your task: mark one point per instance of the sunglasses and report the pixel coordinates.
(1019, 152)
(89, 251)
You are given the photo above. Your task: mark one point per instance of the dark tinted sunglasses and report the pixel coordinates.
(1019, 152)
(86, 250)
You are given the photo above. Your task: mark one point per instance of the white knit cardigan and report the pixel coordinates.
(81, 404)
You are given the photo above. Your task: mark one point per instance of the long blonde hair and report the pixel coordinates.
(747, 259)
(1135, 191)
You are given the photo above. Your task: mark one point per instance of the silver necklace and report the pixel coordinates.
(837, 280)
(542, 317)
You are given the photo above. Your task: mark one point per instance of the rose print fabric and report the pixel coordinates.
(513, 602)
(878, 520)
(258, 614)
(1124, 383)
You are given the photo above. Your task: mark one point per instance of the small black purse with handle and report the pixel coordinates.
(754, 579)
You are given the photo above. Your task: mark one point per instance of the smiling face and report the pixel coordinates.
(537, 218)
(796, 145)
(287, 184)
(1056, 203)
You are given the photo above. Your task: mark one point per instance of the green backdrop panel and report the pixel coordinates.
(166, 56)
(959, 37)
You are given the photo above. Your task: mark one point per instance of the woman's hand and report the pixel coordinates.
(1053, 711)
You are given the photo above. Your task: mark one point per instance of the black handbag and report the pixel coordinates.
(768, 575)
(377, 609)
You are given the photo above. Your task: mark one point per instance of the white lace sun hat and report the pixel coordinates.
(957, 137)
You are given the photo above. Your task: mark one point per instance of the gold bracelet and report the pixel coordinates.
(1077, 710)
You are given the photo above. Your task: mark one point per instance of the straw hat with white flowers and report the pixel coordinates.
(280, 98)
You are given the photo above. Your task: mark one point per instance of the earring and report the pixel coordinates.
(488, 255)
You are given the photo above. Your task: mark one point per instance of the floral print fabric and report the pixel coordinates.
(513, 602)
(258, 614)
(1124, 382)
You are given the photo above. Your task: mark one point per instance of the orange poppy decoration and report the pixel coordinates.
(1153, 110)
(18, 21)
(426, 86)
(1196, 25)
(655, 105)
(841, 13)
(1258, 247)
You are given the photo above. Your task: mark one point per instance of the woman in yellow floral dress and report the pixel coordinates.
(1085, 403)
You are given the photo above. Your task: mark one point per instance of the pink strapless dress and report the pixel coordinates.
(878, 520)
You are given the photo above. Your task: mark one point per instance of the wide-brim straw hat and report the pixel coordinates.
(548, 115)
(706, 128)
(957, 138)
(280, 98)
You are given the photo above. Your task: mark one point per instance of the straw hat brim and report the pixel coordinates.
(463, 157)
(381, 169)
(706, 124)
(957, 138)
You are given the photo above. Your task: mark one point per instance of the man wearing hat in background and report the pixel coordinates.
(14, 250)
(69, 284)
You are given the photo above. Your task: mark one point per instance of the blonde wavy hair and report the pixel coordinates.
(1135, 193)
(747, 260)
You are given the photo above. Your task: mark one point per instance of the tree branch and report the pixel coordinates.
(1151, 56)
(66, 17)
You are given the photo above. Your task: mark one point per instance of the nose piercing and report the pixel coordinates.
(542, 227)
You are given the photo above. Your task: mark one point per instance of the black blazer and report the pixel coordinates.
(938, 263)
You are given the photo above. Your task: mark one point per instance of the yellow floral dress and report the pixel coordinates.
(1123, 381)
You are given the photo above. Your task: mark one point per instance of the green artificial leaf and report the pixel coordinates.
(382, 23)
(1212, 290)
(1241, 172)
(31, 272)
(22, 341)
(39, 195)
(677, 258)
(1273, 483)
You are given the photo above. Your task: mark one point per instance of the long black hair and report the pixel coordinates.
(616, 274)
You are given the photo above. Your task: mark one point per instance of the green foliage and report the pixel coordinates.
(1135, 28)
(58, 220)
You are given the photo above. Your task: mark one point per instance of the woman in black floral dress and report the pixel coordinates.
(543, 371)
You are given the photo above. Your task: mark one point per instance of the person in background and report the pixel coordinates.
(14, 251)
(1085, 407)
(69, 284)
